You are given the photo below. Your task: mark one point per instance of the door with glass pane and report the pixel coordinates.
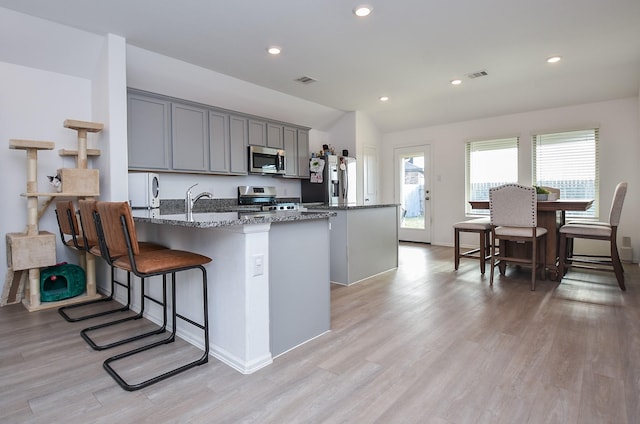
(413, 193)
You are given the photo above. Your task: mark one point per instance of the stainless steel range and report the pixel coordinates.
(262, 198)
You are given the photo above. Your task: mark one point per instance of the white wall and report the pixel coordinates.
(33, 106)
(619, 153)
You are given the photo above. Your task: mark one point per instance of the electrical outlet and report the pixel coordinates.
(258, 265)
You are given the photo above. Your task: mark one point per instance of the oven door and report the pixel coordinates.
(266, 160)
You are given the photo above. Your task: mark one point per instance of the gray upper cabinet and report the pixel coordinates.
(274, 136)
(303, 153)
(170, 134)
(290, 136)
(238, 143)
(148, 132)
(219, 153)
(189, 138)
(296, 147)
(257, 133)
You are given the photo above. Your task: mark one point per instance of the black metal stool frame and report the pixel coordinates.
(204, 326)
(62, 310)
(110, 259)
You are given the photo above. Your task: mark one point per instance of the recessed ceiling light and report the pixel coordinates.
(384, 98)
(274, 50)
(362, 11)
(456, 82)
(554, 59)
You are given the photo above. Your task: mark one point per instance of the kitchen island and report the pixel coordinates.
(364, 240)
(263, 301)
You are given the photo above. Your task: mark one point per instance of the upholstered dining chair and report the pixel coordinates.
(513, 210)
(605, 231)
(480, 226)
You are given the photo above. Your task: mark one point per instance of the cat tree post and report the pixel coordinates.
(33, 249)
(89, 177)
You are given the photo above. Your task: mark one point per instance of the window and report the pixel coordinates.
(489, 163)
(569, 161)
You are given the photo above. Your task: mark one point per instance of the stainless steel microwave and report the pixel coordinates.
(266, 160)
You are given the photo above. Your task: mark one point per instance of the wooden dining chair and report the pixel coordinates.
(115, 221)
(480, 226)
(514, 218)
(604, 231)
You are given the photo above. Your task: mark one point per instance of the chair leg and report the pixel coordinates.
(534, 263)
(482, 251)
(617, 264)
(493, 256)
(563, 257)
(202, 360)
(62, 310)
(85, 332)
(456, 247)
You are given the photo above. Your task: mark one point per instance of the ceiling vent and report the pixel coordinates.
(305, 80)
(477, 74)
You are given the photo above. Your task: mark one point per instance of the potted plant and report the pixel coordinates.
(542, 193)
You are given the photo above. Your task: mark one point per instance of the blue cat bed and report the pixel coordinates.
(61, 281)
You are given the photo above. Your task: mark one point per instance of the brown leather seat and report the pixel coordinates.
(115, 222)
(87, 240)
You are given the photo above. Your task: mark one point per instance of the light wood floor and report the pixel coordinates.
(423, 344)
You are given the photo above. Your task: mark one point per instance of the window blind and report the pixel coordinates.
(569, 161)
(489, 163)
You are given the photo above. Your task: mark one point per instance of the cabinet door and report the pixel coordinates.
(290, 136)
(189, 138)
(148, 132)
(303, 154)
(274, 136)
(219, 153)
(257, 133)
(238, 143)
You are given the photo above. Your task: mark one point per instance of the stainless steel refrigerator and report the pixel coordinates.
(337, 185)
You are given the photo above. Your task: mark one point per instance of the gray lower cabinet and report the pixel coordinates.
(364, 242)
(299, 289)
(148, 132)
(189, 138)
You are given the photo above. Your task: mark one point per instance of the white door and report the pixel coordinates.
(370, 175)
(413, 192)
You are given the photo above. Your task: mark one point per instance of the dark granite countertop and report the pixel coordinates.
(217, 219)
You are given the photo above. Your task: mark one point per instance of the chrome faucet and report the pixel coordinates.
(189, 200)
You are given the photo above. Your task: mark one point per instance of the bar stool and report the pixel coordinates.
(88, 241)
(481, 226)
(604, 231)
(115, 221)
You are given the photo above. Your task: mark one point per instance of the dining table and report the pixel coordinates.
(551, 215)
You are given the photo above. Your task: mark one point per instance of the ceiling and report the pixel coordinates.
(408, 50)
